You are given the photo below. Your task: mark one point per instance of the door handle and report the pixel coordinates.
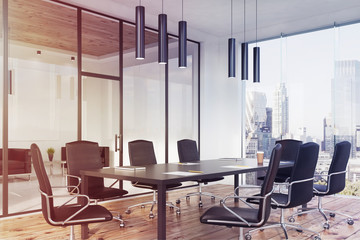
(116, 142)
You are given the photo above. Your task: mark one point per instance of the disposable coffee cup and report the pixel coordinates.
(260, 157)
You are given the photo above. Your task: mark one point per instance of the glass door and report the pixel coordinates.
(101, 116)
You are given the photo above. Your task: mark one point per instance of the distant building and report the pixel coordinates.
(280, 116)
(346, 101)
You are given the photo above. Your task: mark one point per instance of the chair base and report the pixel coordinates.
(153, 203)
(322, 211)
(284, 227)
(200, 193)
(118, 217)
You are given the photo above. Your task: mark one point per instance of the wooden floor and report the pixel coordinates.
(187, 225)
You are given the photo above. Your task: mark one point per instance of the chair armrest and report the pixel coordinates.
(86, 204)
(245, 186)
(223, 203)
(77, 186)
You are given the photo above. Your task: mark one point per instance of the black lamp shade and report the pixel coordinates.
(182, 44)
(244, 61)
(231, 62)
(140, 32)
(163, 40)
(256, 64)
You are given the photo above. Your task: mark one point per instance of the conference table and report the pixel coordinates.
(168, 173)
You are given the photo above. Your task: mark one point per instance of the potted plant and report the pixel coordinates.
(50, 152)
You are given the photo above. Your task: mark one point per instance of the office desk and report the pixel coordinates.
(156, 174)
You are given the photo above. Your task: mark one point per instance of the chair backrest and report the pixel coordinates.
(290, 151)
(338, 164)
(141, 153)
(304, 168)
(268, 183)
(188, 151)
(83, 155)
(44, 183)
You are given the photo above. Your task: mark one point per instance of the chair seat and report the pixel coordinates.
(321, 188)
(207, 180)
(220, 216)
(93, 213)
(153, 186)
(106, 193)
(280, 178)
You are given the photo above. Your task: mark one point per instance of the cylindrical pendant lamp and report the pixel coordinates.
(232, 58)
(140, 32)
(182, 44)
(163, 40)
(244, 61)
(256, 64)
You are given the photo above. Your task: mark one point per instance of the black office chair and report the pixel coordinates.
(335, 182)
(234, 216)
(299, 185)
(85, 155)
(188, 152)
(290, 153)
(141, 153)
(66, 214)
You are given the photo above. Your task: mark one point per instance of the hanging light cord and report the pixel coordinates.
(231, 18)
(256, 23)
(162, 6)
(244, 21)
(139, 2)
(182, 10)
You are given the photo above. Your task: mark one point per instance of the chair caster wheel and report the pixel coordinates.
(261, 229)
(213, 198)
(200, 205)
(317, 238)
(171, 207)
(122, 225)
(247, 237)
(332, 214)
(350, 221)
(291, 219)
(326, 226)
(142, 206)
(151, 216)
(178, 212)
(178, 201)
(128, 211)
(299, 230)
(187, 198)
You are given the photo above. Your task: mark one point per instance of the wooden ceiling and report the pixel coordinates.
(55, 26)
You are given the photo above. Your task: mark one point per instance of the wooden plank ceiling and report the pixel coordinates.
(55, 26)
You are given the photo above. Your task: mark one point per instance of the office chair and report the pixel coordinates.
(250, 217)
(141, 153)
(188, 152)
(85, 155)
(289, 153)
(335, 182)
(67, 214)
(299, 185)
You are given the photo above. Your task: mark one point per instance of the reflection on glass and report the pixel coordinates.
(100, 44)
(42, 96)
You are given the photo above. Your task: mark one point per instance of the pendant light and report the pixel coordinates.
(231, 49)
(182, 39)
(256, 53)
(163, 40)
(140, 31)
(244, 53)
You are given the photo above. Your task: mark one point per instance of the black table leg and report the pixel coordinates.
(161, 211)
(236, 184)
(84, 190)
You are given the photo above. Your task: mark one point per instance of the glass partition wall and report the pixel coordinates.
(309, 92)
(73, 76)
